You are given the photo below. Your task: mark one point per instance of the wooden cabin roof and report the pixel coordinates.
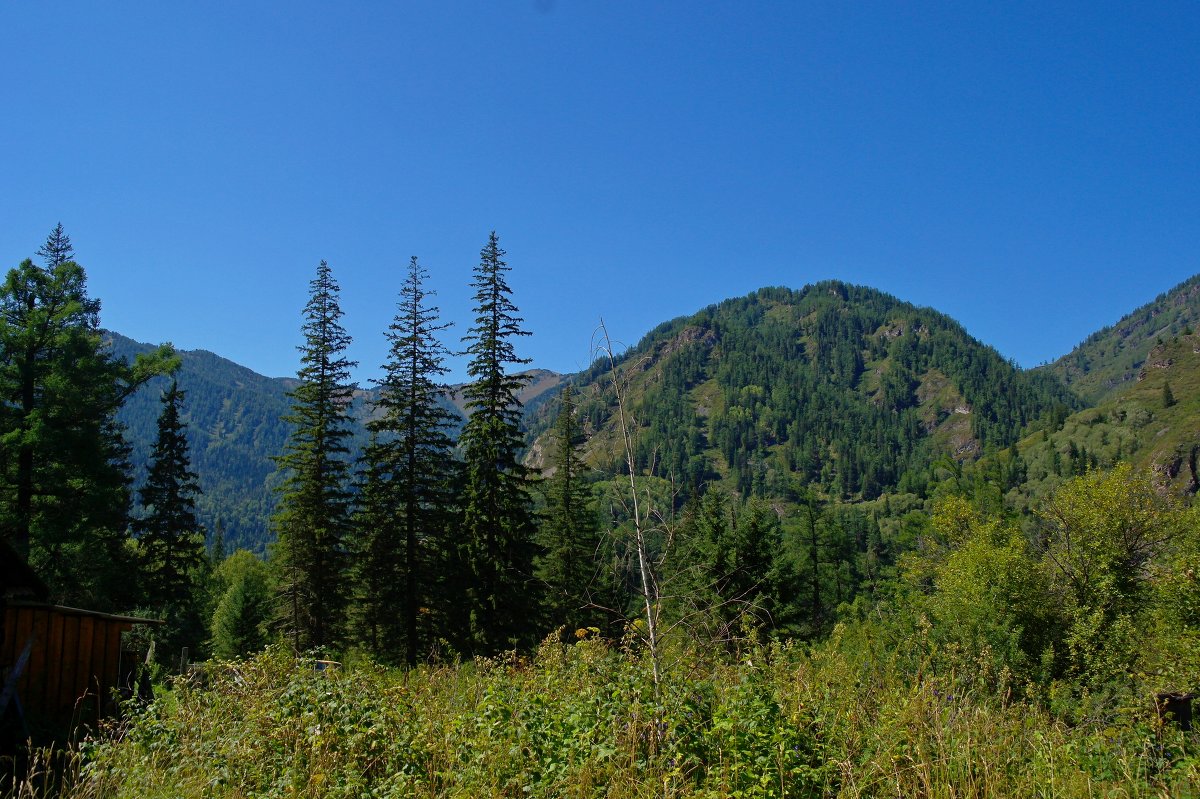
(91, 614)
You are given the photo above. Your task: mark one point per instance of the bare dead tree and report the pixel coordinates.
(640, 512)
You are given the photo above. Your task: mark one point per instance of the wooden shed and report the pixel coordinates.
(58, 665)
(73, 659)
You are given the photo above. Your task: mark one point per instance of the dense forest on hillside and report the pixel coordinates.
(836, 387)
(234, 423)
(799, 543)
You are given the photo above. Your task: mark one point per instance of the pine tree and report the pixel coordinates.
(64, 471)
(170, 538)
(312, 520)
(57, 250)
(570, 534)
(216, 549)
(1168, 397)
(406, 498)
(498, 525)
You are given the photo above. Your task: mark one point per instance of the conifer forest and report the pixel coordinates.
(806, 542)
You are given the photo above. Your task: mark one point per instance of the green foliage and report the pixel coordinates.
(991, 599)
(577, 584)
(313, 516)
(867, 713)
(403, 549)
(64, 484)
(1102, 532)
(498, 527)
(170, 539)
(244, 608)
(1090, 617)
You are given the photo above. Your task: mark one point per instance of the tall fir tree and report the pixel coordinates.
(57, 248)
(377, 562)
(498, 525)
(406, 498)
(170, 537)
(313, 518)
(64, 471)
(570, 566)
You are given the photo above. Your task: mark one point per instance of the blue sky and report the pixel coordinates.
(1031, 169)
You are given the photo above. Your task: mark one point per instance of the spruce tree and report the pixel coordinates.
(312, 520)
(64, 471)
(57, 249)
(570, 566)
(706, 536)
(170, 538)
(378, 562)
(406, 498)
(498, 527)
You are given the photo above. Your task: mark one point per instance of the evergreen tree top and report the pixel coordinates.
(490, 344)
(57, 249)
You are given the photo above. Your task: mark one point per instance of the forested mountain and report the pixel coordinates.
(1151, 421)
(837, 387)
(234, 427)
(1114, 356)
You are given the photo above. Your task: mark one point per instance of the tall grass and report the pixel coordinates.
(850, 718)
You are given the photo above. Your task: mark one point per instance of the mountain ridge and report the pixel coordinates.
(234, 426)
(1113, 355)
(834, 384)
(837, 386)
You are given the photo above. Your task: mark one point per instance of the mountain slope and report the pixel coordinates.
(234, 427)
(1151, 421)
(837, 386)
(1113, 357)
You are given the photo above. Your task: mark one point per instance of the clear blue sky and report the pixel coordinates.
(1031, 169)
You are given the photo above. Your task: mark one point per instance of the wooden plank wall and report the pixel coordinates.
(73, 656)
